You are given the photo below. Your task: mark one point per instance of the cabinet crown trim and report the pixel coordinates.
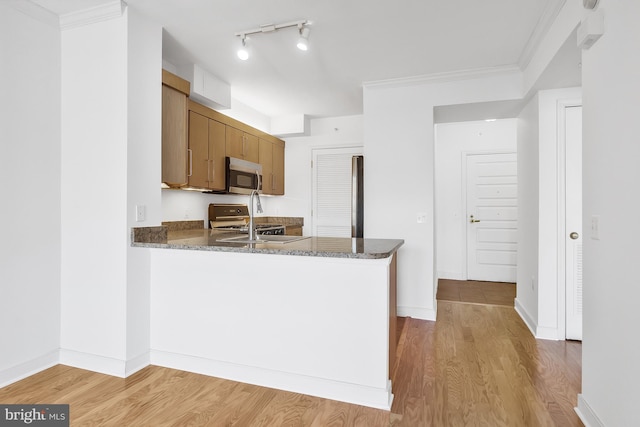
(176, 82)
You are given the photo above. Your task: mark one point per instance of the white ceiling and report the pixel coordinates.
(351, 42)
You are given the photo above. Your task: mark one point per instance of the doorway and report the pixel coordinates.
(454, 143)
(570, 217)
(332, 191)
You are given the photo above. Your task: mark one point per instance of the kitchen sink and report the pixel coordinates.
(264, 239)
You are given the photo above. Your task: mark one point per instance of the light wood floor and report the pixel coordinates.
(470, 291)
(476, 366)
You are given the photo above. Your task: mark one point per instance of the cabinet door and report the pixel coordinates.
(251, 148)
(216, 165)
(198, 150)
(266, 160)
(242, 145)
(235, 142)
(174, 137)
(278, 169)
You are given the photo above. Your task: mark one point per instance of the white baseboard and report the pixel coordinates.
(137, 363)
(539, 332)
(544, 333)
(417, 312)
(313, 386)
(26, 369)
(93, 362)
(586, 414)
(451, 275)
(525, 316)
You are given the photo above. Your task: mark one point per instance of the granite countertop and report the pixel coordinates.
(166, 237)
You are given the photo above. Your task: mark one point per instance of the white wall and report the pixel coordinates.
(324, 133)
(528, 213)
(538, 286)
(399, 182)
(30, 173)
(611, 91)
(452, 141)
(144, 108)
(94, 196)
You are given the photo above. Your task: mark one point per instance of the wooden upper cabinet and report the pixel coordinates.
(174, 130)
(278, 168)
(217, 153)
(206, 152)
(242, 145)
(266, 160)
(272, 161)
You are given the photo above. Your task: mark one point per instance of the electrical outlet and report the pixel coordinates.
(595, 227)
(141, 213)
(421, 217)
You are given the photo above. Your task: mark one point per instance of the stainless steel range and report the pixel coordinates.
(235, 218)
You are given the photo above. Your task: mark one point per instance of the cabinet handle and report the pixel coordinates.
(244, 141)
(213, 170)
(190, 161)
(273, 181)
(208, 170)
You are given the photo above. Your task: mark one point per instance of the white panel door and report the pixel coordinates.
(573, 222)
(492, 213)
(332, 180)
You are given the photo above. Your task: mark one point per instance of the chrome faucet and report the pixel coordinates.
(252, 227)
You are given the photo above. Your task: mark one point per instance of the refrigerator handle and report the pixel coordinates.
(357, 196)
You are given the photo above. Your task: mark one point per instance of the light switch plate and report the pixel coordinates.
(141, 213)
(595, 227)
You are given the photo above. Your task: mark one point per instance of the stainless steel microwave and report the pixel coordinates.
(243, 176)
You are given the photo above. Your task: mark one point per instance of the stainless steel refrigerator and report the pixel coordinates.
(357, 196)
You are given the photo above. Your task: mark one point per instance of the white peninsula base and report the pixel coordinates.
(313, 325)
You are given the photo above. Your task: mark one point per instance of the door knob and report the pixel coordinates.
(471, 220)
(574, 235)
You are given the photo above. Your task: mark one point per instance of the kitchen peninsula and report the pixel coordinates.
(315, 315)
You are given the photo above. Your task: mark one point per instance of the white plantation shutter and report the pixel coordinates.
(332, 191)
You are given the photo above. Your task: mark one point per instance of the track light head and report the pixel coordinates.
(303, 43)
(243, 52)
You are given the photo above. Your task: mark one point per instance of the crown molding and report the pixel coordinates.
(549, 15)
(446, 77)
(37, 12)
(103, 12)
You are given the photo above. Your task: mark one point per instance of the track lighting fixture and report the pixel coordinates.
(243, 53)
(304, 37)
(302, 44)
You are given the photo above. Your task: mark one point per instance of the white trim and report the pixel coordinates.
(562, 105)
(548, 17)
(525, 316)
(450, 275)
(546, 333)
(93, 362)
(587, 414)
(345, 392)
(446, 77)
(137, 363)
(417, 312)
(37, 12)
(28, 368)
(538, 332)
(92, 15)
